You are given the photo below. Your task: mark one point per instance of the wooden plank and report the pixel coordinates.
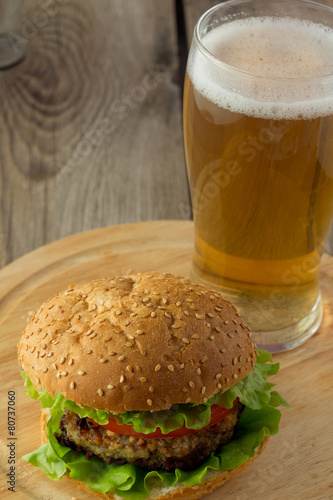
(296, 463)
(91, 122)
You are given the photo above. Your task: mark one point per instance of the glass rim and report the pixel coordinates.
(199, 41)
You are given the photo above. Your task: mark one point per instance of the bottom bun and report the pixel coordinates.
(214, 479)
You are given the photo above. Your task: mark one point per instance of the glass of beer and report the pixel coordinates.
(258, 126)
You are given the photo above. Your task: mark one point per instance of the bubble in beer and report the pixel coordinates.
(278, 51)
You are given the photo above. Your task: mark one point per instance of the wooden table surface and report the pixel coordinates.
(91, 119)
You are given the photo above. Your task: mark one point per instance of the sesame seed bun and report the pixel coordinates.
(140, 342)
(214, 479)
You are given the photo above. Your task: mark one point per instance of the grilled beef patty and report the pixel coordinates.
(184, 452)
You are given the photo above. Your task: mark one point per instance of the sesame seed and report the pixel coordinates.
(121, 358)
(195, 336)
(198, 371)
(157, 368)
(219, 386)
(204, 359)
(146, 299)
(44, 346)
(234, 361)
(44, 370)
(62, 360)
(55, 366)
(184, 389)
(129, 368)
(198, 316)
(143, 379)
(218, 309)
(151, 389)
(58, 375)
(93, 335)
(187, 400)
(240, 346)
(37, 380)
(140, 332)
(218, 375)
(186, 313)
(217, 329)
(191, 384)
(128, 344)
(189, 300)
(203, 390)
(72, 385)
(81, 372)
(127, 323)
(204, 400)
(64, 374)
(167, 315)
(89, 351)
(230, 335)
(110, 386)
(122, 378)
(211, 337)
(100, 392)
(164, 301)
(118, 312)
(175, 326)
(182, 366)
(235, 376)
(210, 315)
(131, 337)
(226, 322)
(71, 361)
(133, 314)
(103, 360)
(43, 354)
(223, 365)
(149, 402)
(240, 358)
(153, 314)
(185, 340)
(171, 368)
(208, 325)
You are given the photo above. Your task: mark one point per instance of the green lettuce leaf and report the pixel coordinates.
(259, 418)
(253, 391)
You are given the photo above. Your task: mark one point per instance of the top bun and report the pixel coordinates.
(140, 342)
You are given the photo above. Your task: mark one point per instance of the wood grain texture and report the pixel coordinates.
(296, 463)
(91, 131)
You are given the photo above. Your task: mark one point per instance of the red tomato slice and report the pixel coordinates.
(217, 413)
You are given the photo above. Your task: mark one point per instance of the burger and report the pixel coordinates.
(150, 386)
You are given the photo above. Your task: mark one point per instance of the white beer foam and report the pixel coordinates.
(302, 50)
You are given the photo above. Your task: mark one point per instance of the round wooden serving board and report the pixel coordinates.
(297, 463)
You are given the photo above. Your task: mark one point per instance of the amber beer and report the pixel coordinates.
(258, 123)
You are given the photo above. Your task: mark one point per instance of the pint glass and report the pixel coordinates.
(258, 126)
